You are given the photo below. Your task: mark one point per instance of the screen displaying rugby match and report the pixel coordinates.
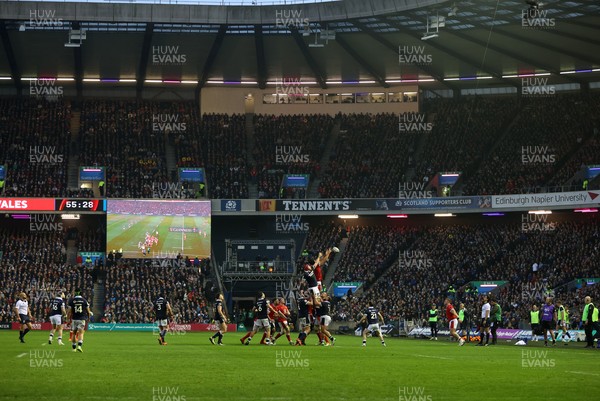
(158, 228)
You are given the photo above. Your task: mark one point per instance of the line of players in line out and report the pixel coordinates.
(313, 313)
(77, 314)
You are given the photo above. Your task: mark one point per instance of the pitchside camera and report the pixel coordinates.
(534, 4)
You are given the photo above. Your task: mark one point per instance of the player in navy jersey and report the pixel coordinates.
(220, 320)
(163, 311)
(310, 277)
(57, 313)
(304, 318)
(261, 320)
(372, 316)
(79, 312)
(548, 320)
(325, 320)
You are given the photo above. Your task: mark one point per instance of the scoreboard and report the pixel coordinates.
(52, 205)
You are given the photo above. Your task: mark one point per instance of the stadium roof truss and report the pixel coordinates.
(330, 43)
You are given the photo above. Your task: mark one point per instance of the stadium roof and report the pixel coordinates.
(478, 40)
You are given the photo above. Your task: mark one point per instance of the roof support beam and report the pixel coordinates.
(589, 58)
(143, 66)
(15, 73)
(395, 50)
(261, 66)
(210, 59)
(360, 60)
(523, 59)
(309, 58)
(78, 64)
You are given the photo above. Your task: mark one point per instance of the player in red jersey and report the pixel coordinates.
(452, 317)
(282, 319)
(317, 268)
(272, 316)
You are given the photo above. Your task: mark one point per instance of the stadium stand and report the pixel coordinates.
(299, 138)
(131, 288)
(121, 135)
(369, 158)
(218, 143)
(34, 144)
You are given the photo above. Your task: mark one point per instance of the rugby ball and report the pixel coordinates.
(335, 249)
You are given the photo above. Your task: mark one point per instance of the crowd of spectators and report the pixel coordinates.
(462, 132)
(128, 138)
(132, 287)
(34, 262)
(442, 261)
(544, 133)
(218, 143)
(34, 145)
(288, 144)
(369, 158)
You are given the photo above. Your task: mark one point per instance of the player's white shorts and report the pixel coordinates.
(56, 319)
(282, 323)
(453, 324)
(315, 291)
(162, 322)
(261, 323)
(78, 325)
(373, 327)
(325, 320)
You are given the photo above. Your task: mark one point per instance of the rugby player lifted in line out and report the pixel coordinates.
(312, 281)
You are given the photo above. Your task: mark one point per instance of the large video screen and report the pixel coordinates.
(158, 228)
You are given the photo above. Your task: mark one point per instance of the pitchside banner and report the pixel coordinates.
(454, 202)
(550, 199)
(39, 326)
(150, 327)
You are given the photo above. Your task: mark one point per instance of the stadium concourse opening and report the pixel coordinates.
(356, 194)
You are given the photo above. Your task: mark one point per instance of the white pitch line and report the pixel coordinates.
(582, 373)
(22, 355)
(431, 356)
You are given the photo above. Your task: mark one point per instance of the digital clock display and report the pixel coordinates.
(82, 205)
